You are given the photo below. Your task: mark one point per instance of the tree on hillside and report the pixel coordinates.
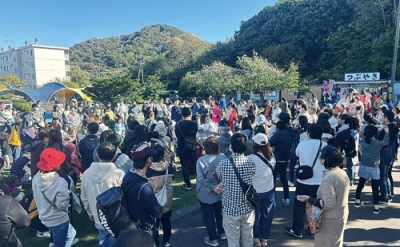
(153, 87)
(12, 80)
(79, 76)
(260, 76)
(114, 88)
(213, 79)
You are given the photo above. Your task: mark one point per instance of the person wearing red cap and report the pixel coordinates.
(51, 194)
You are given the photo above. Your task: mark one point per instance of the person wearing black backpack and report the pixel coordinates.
(142, 203)
(99, 177)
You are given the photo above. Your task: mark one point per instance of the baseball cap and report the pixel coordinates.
(260, 139)
(50, 159)
(285, 117)
(142, 151)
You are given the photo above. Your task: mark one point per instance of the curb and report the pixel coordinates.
(181, 213)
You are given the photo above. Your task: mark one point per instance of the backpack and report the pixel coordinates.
(349, 146)
(112, 208)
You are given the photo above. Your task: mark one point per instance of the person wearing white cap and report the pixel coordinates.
(162, 130)
(264, 185)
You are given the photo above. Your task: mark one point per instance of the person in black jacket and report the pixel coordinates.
(282, 142)
(142, 203)
(12, 216)
(387, 158)
(88, 145)
(189, 129)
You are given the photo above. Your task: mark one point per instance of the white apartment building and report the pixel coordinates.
(36, 65)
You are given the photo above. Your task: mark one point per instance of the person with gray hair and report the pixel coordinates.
(209, 191)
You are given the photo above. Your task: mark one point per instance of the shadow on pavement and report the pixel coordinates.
(378, 235)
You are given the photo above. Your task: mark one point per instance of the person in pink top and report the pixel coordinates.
(216, 113)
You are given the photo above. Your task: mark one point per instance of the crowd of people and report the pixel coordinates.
(136, 148)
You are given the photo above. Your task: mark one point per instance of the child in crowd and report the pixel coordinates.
(50, 191)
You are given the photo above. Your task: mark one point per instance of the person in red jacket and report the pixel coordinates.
(232, 116)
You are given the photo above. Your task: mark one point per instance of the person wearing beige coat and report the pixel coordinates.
(332, 196)
(161, 173)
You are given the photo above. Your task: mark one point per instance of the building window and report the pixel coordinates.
(33, 77)
(31, 53)
(33, 65)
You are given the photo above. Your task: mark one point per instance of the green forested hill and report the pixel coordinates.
(162, 49)
(326, 38)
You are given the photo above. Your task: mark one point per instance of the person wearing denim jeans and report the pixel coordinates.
(59, 234)
(105, 238)
(264, 185)
(350, 169)
(264, 216)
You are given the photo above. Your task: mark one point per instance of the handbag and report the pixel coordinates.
(162, 196)
(248, 190)
(314, 217)
(190, 141)
(306, 172)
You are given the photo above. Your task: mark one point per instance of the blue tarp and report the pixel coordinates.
(44, 93)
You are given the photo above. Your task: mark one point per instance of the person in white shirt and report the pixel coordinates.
(242, 110)
(99, 177)
(308, 153)
(264, 185)
(303, 111)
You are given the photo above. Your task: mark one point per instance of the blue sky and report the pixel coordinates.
(64, 23)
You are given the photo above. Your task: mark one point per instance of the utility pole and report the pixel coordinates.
(141, 70)
(396, 48)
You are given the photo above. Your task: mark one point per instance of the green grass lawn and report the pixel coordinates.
(87, 233)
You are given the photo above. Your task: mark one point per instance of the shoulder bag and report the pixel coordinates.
(265, 161)
(213, 173)
(306, 172)
(162, 196)
(190, 141)
(248, 190)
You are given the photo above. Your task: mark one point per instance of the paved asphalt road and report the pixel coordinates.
(363, 228)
